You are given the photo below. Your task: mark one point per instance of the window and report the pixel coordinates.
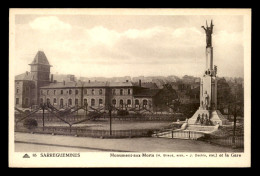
(144, 103)
(121, 91)
(26, 101)
(61, 103)
(48, 100)
(41, 101)
(114, 91)
(100, 91)
(17, 90)
(76, 92)
(92, 91)
(129, 91)
(137, 103)
(113, 102)
(129, 103)
(70, 102)
(85, 102)
(92, 102)
(17, 100)
(47, 92)
(121, 102)
(70, 92)
(61, 92)
(76, 102)
(100, 101)
(54, 92)
(54, 100)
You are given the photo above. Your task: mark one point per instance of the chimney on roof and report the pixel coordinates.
(140, 83)
(63, 82)
(51, 77)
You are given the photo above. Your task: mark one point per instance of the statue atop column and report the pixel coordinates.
(209, 31)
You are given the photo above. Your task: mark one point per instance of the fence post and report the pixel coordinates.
(43, 118)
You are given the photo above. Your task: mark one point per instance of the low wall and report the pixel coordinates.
(87, 133)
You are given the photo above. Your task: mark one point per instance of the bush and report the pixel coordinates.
(30, 123)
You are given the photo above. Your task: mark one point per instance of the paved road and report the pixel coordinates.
(69, 143)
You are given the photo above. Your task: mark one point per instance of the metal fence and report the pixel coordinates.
(227, 141)
(132, 117)
(181, 134)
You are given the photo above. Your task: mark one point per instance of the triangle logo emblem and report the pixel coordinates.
(26, 156)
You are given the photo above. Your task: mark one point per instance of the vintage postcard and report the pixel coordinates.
(130, 88)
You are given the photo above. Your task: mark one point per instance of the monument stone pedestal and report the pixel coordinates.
(215, 117)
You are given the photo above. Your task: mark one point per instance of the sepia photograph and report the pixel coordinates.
(129, 87)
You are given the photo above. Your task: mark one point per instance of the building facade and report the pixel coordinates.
(37, 87)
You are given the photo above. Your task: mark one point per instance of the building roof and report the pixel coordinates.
(40, 58)
(75, 84)
(150, 85)
(120, 84)
(147, 93)
(24, 76)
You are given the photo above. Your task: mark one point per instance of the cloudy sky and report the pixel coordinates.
(117, 45)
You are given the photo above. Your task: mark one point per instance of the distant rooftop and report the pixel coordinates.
(24, 76)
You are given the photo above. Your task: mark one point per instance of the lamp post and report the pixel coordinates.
(110, 120)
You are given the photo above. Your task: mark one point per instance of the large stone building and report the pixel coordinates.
(38, 86)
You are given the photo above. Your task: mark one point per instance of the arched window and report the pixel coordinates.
(54, 100)
(70, 102)
(70, 92)
(85, 102)
(48, 100)
(92, 91)
(100, 102)
(113, 102)
(61, 92)
(136, 103)
(92, 102)
(61, 102)
(100, 91)
(144, 103)
(128, 102)
(17, 90)
(121, 91)
(121, 102)
(76, 92)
